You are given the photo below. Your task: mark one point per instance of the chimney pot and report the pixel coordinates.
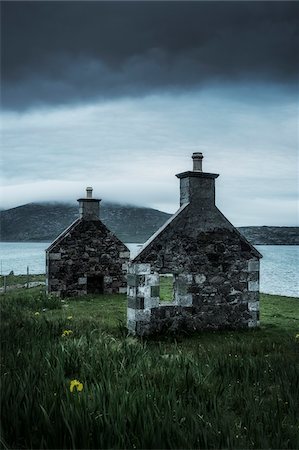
(197, 161)
(89, 192)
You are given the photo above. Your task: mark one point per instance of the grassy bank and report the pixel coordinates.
(210, 390)
(20, 280)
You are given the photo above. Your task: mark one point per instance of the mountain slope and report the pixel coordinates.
(45, 221)
(271, 235)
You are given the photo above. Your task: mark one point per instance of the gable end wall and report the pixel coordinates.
(88, 249)
(216, 278)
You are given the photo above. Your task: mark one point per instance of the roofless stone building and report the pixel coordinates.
(87, 258)
(213, 270)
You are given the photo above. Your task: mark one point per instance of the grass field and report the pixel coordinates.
(209, 390)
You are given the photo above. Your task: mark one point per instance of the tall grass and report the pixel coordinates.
(211, 390)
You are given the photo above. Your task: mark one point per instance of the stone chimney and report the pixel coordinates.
(89, 208)
(196, 186)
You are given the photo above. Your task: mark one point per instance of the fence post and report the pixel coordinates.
(27, 277)
(4, 284)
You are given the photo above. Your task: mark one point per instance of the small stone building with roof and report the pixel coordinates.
(212, 271)
(87, 258)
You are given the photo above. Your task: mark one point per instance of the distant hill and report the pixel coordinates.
(271, 235)
(43, 222)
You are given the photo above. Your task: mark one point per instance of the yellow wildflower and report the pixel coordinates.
(36, 314)
(66, 333)
(76, 384)
(297, 336)
(69, 317)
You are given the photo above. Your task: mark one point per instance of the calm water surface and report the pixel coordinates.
(279, 265)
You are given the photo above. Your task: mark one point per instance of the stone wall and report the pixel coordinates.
(216, 283)
(215, 271)
(88, 249)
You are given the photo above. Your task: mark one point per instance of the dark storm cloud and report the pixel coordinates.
(54, 52)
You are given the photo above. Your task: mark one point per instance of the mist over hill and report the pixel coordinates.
(43, 222)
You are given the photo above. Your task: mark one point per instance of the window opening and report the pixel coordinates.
(166, 287)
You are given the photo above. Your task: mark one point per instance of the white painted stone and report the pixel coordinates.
(142, 269)
(152, 279)
(151, 302)
(82, 280)
(253, 306)
(131, 326)
(253, 265)
(122, 290)
(131, 291)
(143, 315)
(189, 277)
(144, 291)
(124, 254)
(131, 314)
(200, 279)
(253, 286)
(131, 269)
(184, 300)
(54, 256)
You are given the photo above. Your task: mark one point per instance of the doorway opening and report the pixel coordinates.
(95, 284)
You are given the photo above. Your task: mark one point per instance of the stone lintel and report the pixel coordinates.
(152, 279)
(142, 269)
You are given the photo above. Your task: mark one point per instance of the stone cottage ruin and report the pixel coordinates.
(87, 258)
(213, 270)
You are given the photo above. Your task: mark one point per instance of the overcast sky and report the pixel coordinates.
(117, 95)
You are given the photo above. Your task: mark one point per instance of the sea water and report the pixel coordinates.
(279, 265)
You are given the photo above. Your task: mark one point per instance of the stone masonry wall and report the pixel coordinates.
(88, 249)
(216, 283)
